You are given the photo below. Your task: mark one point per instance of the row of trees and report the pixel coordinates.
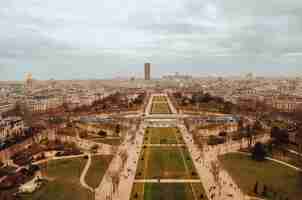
(114, 176)
(201, 98)
(268, 192)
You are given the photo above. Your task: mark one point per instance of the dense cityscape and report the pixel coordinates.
(175, 137)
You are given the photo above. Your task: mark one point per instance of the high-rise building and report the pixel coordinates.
(147, 71)
(28, 82)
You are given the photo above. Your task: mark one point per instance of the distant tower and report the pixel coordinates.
(52, 83)
(29, 82)
(249, 76)
(147, 71)
(292, 84)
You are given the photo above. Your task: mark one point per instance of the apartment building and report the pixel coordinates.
(11, 126)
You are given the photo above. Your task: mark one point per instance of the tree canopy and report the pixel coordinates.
(258, 152)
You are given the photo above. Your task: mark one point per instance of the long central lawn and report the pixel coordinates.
(64, 181)
(163, 135)
(160, 98)
(280, 178)
(160, 108)
(168, 191)
(97, 169)
(165, 162)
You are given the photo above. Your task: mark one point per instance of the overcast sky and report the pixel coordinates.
(66, 39)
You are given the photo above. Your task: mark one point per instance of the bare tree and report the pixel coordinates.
(43, 169)
(114, 178)
(215, 170)
(124, 157)
(110, 181)
(132, 136)
(123, 135)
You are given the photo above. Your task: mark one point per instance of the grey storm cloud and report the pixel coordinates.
(105, 38)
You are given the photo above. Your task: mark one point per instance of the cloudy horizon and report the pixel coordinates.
(104, 39)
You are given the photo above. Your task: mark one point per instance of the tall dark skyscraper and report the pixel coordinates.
(147, 71)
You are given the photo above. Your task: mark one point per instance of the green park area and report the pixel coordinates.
(160, 98)
(160, 108)
(275, 180)
(111, 141)
(165, 163)
(97, 169)
(163, 135)
(168, 191)
(63, 181)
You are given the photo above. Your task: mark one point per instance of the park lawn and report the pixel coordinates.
(160, 108)
(111, 141)
(277, 177)
(163, 135)
(168, 191)
(289, 157)
(159, 98)
(97, 169)
(59, 190)
(165, 163)
(63, 181)
(203, 108)
(279, 124)
(104, 140)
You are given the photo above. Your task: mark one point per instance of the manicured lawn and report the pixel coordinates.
(64, 181)
(165, 162)
(60, 190)
(160, 105)
(168, 191)
(113, 141)
(97, 169)
(161, 135)
(160, 108)
(104, 140)
(159, 98)
(290, 158)
(277, 177)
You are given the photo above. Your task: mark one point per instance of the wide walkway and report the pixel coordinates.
(229, 190)
(127, 174)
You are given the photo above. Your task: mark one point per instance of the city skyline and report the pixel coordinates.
(103, 40)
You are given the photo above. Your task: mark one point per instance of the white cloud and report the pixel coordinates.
(118, 33)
